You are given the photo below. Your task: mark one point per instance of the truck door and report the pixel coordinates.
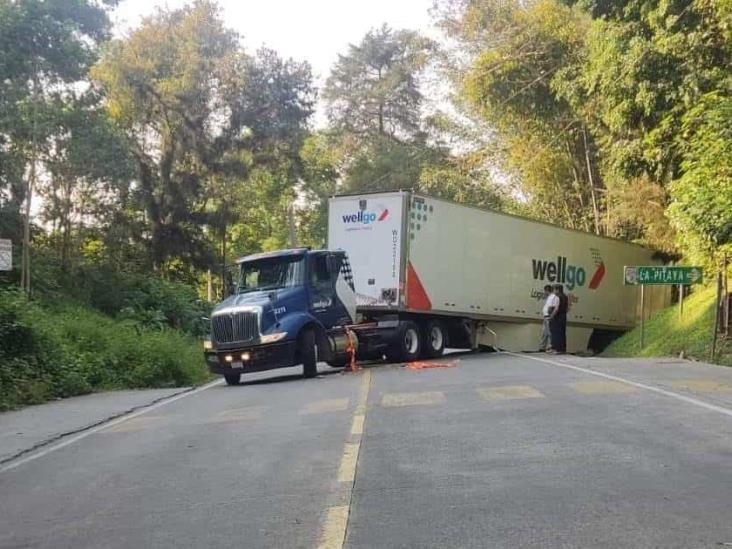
(323, 270)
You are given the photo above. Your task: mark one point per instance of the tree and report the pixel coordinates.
(197, 109)
(46, 48)
(647, 64)
(517, 53)
(380, 136)
(701, 206)
(87, 174)
(373, 90)
(320, 160)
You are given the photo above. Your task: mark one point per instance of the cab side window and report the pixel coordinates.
(320, 277)
(321, 286)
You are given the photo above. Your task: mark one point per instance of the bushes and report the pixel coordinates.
(54, 349)
(149, 301)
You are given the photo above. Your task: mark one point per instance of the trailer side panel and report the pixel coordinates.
(473, 262)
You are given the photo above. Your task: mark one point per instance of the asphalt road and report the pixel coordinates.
(497, 451)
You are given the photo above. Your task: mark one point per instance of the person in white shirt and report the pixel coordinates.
(550, 302)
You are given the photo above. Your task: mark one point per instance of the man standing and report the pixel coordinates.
(558, 321)
(550, 300)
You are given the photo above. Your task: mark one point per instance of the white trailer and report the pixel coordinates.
(418, 257)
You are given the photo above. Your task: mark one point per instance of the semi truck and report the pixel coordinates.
(406, 275)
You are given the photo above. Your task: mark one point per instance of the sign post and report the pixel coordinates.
(656, 276)
(643, 316)
(6, 255)
(681, 301)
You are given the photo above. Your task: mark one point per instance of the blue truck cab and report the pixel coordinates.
(289, 307)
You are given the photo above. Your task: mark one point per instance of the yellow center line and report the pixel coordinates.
(357, 427)
(347, 470)
(335, 522)
(334, 528)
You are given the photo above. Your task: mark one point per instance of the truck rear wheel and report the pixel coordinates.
(407, 343)
(309, 353)
(435, 337)
(232, 379)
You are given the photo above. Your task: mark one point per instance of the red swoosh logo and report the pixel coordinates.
(597, 277)
(383, 215)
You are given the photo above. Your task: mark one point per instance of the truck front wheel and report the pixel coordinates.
(309, 353)
(407, 344)
(435, 337)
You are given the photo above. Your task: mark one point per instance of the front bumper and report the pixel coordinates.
(261, 357)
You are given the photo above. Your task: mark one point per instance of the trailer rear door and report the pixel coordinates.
(370, 229)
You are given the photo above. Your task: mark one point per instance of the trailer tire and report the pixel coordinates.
(407, 343)
(308, 353)
(434, 339)
(232, 379)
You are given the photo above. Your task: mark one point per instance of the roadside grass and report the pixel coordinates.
(668, 335)
(53, 349)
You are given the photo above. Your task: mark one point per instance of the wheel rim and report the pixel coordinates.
(436, 338)
(411, 341)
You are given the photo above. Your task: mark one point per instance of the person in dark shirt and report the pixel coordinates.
(558, 321)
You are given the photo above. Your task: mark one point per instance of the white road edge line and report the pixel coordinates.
(658, 390)
(76, 438)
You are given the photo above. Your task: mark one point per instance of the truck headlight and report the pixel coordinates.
(207, 345)
(271, 338)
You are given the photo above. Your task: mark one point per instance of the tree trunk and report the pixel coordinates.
(223, 259)
(595, 209)
(577, 183)
(153, 211)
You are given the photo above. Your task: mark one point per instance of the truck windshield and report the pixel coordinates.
(271, 273)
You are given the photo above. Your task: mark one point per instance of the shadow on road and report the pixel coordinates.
(282, 378)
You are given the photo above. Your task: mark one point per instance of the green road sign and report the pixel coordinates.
(663, 275)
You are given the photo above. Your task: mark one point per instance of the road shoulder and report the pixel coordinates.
(23, 431)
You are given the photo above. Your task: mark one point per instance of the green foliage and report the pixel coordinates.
(201, 116)
(598, 110)
(702, 195)
(45, 50)
(521, 53)
(666, 334)
(647, 66)
(147, 301)
(459, 183)
(384, 164)
(59, 349)
(373, 89)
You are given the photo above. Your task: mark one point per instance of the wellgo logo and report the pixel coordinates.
(561, 272)
(365, 217)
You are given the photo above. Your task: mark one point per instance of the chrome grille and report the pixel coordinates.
(235, 327)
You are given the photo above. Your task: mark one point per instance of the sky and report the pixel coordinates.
(312, 30)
